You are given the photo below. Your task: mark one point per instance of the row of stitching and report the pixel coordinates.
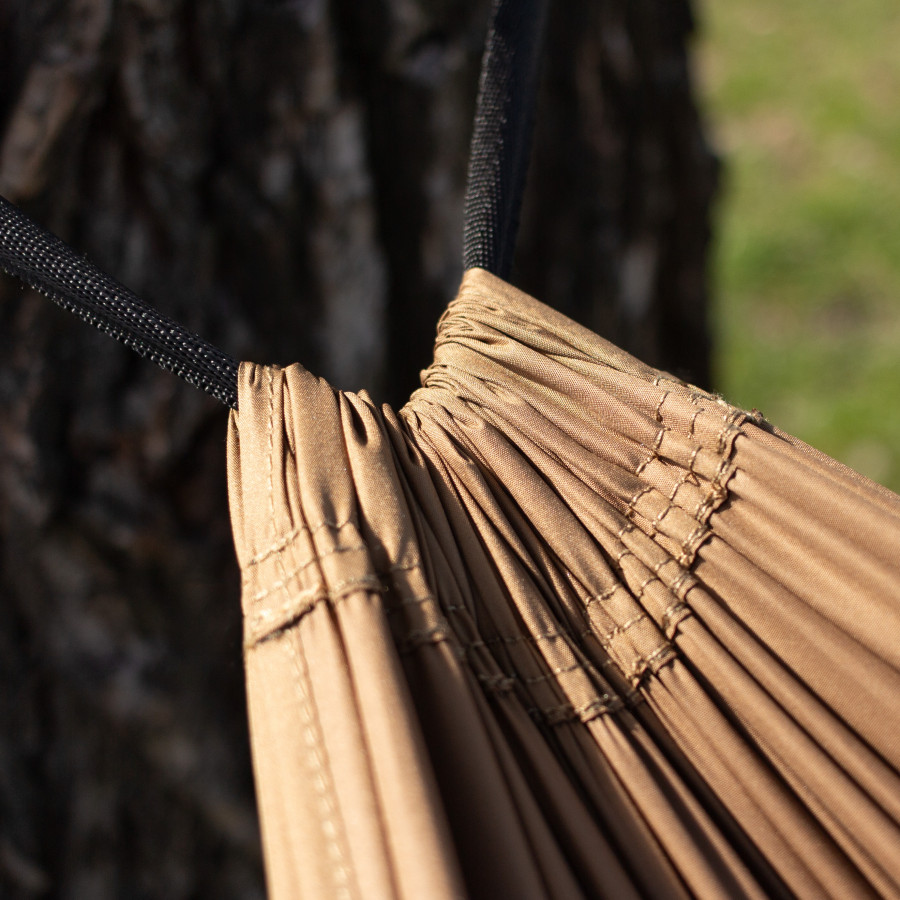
(566, 712)
(693, 458)
(653, 451)
(658, 656)
(714, 495)
(691, 543)
(687, 477)
(683, 577)
(657, 519)
(437, 634)
(658, 411)
(682, 583)
(331, 824)
(653, 663)
(672, 617)
(606, 639)
(683, 580)
(693, 422)
(732, 427)
(288, 577)
(411, 600)
(630, 508)
(511, 640)
(722, 473)
(605, 595)
(320, 772)
(497, 684)
(261, 632)
(674, 587)
(297, 604)
(710, 502)
(500, 682)
(651, 455)
(639, 593)
(535, 638)
(293, 533)
(504, 682)
(553, 673)
(659, 566)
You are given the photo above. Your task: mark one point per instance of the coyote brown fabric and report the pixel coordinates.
(561, 627)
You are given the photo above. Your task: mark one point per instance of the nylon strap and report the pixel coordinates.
(501, 137)
(51, 266)
(498, 161)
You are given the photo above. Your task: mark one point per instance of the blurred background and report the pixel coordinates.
(286, 178)
(803, 103)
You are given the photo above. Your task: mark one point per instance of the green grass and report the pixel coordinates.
(804, 105)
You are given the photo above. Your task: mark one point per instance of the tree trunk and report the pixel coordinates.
(286, 179)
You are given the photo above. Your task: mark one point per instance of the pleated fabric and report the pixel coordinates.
(561, 627)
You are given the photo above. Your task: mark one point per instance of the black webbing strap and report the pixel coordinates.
(501, 138)
(501, 145)
(50, 266)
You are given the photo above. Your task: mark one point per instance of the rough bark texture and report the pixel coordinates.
(286, 179)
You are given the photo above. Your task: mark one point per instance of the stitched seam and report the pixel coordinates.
(639, 593)
(566, 712)
(553, 673)
(729, 428)
(506, 681)
(691, 543)
(315, 746)
(659, 406)
(279, 561)
(657, 519)
(305, 603)
(669, 560)
(662, 651)
(306, 599)
(724, 466)
(288, 577)
(651, 455)
(438, 634)
(497, 684)
(693, 424)
(694, 454)
(630, 509)
(684, 479)
(653, 662)
(321, 775)
(606, 640)
(669, 614)
(533, 638)
(281, 544)
(683, 578)
(653, 451)
(420, 600)
(602, 598)
(708, 504)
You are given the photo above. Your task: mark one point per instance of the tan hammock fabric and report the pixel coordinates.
(562, 627)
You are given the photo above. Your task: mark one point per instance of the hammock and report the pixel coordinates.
(562, 626)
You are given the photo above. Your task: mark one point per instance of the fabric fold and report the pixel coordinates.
(562, 626)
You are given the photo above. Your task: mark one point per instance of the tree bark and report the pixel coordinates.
(285, 179)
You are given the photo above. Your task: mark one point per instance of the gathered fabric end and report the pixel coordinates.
(562, 626)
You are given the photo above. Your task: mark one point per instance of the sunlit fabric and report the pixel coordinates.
(561, 627)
